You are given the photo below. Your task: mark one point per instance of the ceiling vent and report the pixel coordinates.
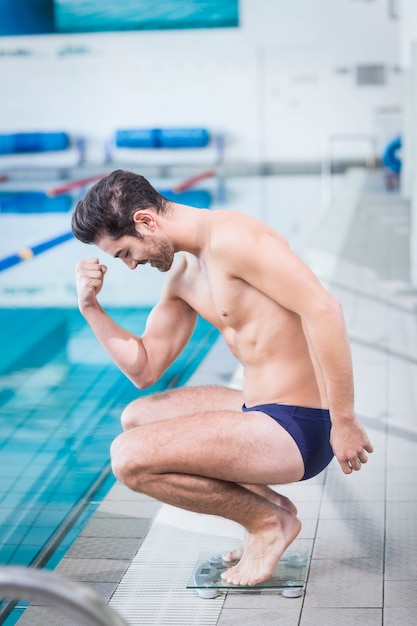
(370, 74)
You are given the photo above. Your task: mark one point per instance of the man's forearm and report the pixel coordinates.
(330, 342)
(331, 348)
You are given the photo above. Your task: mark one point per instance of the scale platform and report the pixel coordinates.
(289, 576)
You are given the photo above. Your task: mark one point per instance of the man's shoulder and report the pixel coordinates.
(235, 230)
(227, 224)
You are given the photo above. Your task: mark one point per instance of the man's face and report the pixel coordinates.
(152, 249)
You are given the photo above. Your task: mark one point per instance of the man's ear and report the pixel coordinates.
(144, 221)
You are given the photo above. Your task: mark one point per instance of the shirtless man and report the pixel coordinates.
(222, 447)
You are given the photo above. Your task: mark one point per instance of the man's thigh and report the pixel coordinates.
(181, 402)
(228, 445)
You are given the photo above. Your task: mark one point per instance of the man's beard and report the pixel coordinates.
(164, 256)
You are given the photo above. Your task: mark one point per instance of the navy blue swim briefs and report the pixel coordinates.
(310, 429)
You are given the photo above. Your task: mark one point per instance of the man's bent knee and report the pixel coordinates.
(135, 414)
(124, 462)
(116, 457)
(127, 417)
(145, 410)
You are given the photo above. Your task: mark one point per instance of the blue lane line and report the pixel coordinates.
(28, 253)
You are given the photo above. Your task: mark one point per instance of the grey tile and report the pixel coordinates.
(116, 527)
(351, 509)
(132, 508)
(401, 440)
(364, 356)
(400, 475)
(401, 528)
(343, 594)
(344, 547)
(254, 617)
(395, 568)
(41, 616)
(352, 538)
(308, 510)
(399, 457)
(405, 616)
(103, 589)
(261, 600)
(346, 570)
(400, 510)
(401, 536)
(400, 593)
(104, 548)
(341, 617)
(350, 487)
(36, 615)
(93, 570)
(121, 493)
(400, 550)
(402, 492)
(368, 475)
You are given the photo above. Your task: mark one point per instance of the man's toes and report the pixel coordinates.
(233, 555)
(229, 577)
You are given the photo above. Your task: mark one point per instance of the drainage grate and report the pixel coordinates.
(153, 589)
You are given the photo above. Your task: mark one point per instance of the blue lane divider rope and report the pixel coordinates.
(28, 253)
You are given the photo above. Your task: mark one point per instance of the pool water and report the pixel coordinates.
(60, 402)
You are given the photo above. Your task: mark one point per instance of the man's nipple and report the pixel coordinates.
(223, 313)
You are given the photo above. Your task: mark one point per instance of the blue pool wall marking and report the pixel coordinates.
(25, 202)
(24, 143)
(152, 138)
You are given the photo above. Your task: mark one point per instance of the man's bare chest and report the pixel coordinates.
(215, 295)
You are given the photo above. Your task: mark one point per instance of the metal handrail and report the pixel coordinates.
(34, 584)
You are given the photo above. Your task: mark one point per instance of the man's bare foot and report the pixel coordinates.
(263, 549)
(270, 495)
(236, 555)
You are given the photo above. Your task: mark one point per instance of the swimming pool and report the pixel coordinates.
(59, 408)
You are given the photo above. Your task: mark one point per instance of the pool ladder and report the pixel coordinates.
(35, 584)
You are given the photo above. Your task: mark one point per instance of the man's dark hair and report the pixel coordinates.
(109, 206)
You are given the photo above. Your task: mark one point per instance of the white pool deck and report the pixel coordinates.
(360, 530)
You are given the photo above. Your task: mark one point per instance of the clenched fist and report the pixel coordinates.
(89, 275)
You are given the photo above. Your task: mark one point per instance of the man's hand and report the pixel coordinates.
(89, 281)
(350, 444)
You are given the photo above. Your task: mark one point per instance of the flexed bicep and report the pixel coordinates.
(168, 329)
